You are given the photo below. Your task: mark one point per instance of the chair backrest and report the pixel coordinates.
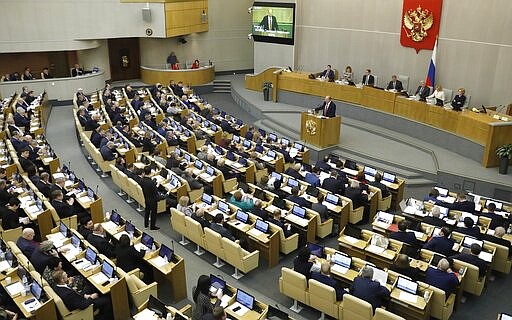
(323, 298)
(178, 221)
(405, 81)
(448, 94)
(383, 314)
(234, 253)
(194, 230)
(356, 309)
(295, 284)
(61, 307)
(501, 261)
(213, 241)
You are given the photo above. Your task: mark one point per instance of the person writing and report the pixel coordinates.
(328, 108)
(395, 84)
(438, 94)
(269, 22)
(459, 100)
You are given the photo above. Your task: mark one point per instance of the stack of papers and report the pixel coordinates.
(15, 288)
(159, 261)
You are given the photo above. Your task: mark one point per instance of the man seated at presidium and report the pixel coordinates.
(328, 108)
(269, 22)
(459, 100)
(395, 84)
(368, 78)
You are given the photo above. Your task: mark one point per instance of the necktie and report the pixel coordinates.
(270, 22)
(394, 85)
(366, 82)
(325, 109)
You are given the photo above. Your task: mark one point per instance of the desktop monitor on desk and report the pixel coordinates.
(166, 252)
(276, 314)
(261, 225)
(37, 290)
(315, 249)
(241, 216)
(299, 211)
(147, 240)
(91, 256)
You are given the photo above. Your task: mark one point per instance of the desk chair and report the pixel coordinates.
(196, 234)
(384, 203)
(260, 173)
(240, 258)
(501, 261)
(472, 282)
(356, 309)
(213, 243)
(383, 314)
(11, 234)
(405, 81)
(139, 291)
(355, 215)
(323, 229)
(64, 312)
(286, 245)
(117, 179)
(294, 285)
(323, 298)
(179, 225)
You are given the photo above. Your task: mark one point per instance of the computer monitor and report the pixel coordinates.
(210, 171)
(174, 182)
(259, 148)
(292, 183)
(276, 314)
(241, 216)
(332, 198)
(505, 316)
(157, 306)
(198, 164)
(435, 259)
(349, 164)
(165, 252)
(90, 193)
(285, 141)
(81, 184)
(75, 241)
(230, 155)
(71, 176)
(443, 192)
(147, 240)
(187, 133)
(499, 205)
(247, 143)
(262, 132)
(177, 151)
(129, 227)
(236, 138)
(370, 171)
(214, 127)
(187, 157)
(272, 137)
(63, 229)
(108, 269)
(342, 260)
(261, 226)
(90, 255)
(217, 282)
(206, 198)
(407, 285)
(352, 231)
(312, 191)
(115, 217)
(468, 241)
(271, 154)
(298, 146)
(36, 289)
(242, 161)
(276, 175)
(299, 211)
(244, 299)
(315, 249)
(223, 206)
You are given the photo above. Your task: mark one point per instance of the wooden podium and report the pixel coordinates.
(320, 131)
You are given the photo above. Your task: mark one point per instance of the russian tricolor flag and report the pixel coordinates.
(431, 75)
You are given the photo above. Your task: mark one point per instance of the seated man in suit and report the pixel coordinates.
(9, 214)
(26, 242)
(63, 207)
(294, 197)
(276, 220)
(258, 210)
(86, 226)
(378, 184)
(395, 84)
(98, 239)
(441, 243)
(422, 92)
(328, 108)
(323, 164)
(108, 151)
(435, 219)
(368, 78)
(328, 73)
(401, 265)
(320, 208)
(304, 262)
(217, 226)
(358, 196)
(461, 204)
(313, 177)
(442, 277)
(21, 119)
(293, 171)
(472, 258)
(324, 276)
(470, 228)
(334, 184)
(43, 255)
(497, 238)
(496, 219)
(369, 290)
(459, 100)
(77, 70)
(73, 300)
(403, 235)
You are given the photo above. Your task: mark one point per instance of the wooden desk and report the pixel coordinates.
(193, 77)
(320, 131)
(378, 99)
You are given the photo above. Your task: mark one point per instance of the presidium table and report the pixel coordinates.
(482, 129)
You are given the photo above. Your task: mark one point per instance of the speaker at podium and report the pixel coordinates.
(320, 131)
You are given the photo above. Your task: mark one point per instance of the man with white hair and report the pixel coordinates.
(435, 219)
(356, 194)
(26, 242)
(422, 92)
(21, 119)
(108, 151)
(442, 277)
(369, 290)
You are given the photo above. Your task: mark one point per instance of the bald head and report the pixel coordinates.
(28, 233)
(325, 268)
(443, 264)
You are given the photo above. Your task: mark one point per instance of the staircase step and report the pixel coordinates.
(221, 91)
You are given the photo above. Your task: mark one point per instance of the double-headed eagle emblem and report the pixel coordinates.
(417, 22)
(311, 127)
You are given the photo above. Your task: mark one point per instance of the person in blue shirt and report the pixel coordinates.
(324, 276)
(313, 178)
(442, 277)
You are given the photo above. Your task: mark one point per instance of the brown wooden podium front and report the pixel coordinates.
(320, 131)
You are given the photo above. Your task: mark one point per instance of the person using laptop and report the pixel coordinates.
(461, 203)
(242, 201)
(199, 217)
(276, 220)
(356, 194)
(320, 208)
(324, 276)
(304, 262)
(128, 258)
(99, 240)
(441, 243)
(369, 290)
(378, 184)
(334, 184)
(293, 171)
(313, 177)
(472, 258)
(218, 313)
(470, 228)
(435, 219)
(496, 219)
(258, 210)
(442, 277)
(497, 238)
(294, 197)
(401, 265)
(218, 227)
(73, 300)
(202, 298)
(403, 235)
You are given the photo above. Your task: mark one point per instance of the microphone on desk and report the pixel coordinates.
(97, 187)
(172, 245)
(69, 165)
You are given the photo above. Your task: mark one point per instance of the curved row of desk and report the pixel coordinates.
(472, 135)
(160, 74)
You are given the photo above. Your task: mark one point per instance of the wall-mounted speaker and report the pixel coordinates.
(146, 14)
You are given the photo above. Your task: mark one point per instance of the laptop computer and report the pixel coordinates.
(157, 306)
(276, 314)
(206, 198)
(312, 191)
(435, 259)
(407, 285)
(349, 164)
(243, 299)
(342, 262)
(217, 282)
(260, 194)
(299, 211)
(147, 240)
(352, 231)
(315, 249)
(241, 216)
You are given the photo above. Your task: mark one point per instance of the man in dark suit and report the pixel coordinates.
(328, 108)
(77, 70)
(313, 177)
(269, 22)
(24, 160)
(496, 219)
(258, 210)
(92, 122)
(461, 204)
(470, 228)
(276, 220)
(323, 164)
(21, 120)
(99, 240)
(358, 196)
(371, 291)
(497, 238)
(74, 301)
(368, 78)
(108, 151)
(434, 220)
(324, 276)
(294, 197)
(378, 184)
(395, 84)
(217, 226)
(441, 243)
(472, 258)
(459, 100)
(293, 171)
(9, 216)
(328, 73)
(443, 277)
(86, 226)
(423, 91)
(63, 207)
(334, 184)
(403, 235)
(150, 191)
(199, 217)
(43, 255)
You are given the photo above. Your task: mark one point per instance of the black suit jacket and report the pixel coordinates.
(71, 298)
(358, 199)
(77, 72)
(474, 260)
(466, 206)
(383, 188)
(102, 245)
(422, 92)
(63, 209)
(128, 258)
(329, 74)
(458, 102)
(370, 291)
(371, 79)
(41, 260)
(334, 185)
(330, 112)
(149, 189)
(299, 200)
(265, 23)
(398, 85)
(433, 221)
(10, 219)
(293, 173)
(407, 237)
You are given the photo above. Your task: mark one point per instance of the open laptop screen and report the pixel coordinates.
(107, 269)
(261, 226)
(407, 285)
(299, 211)
(242, 216)
(342, 260)
(370, 171)
(157, 307)
(147, 240)
(331, 198)
(91, 256)
(244, 299)
(315, 249)
(36, 289)
(165, 251)
(206, 198)
(217, 282)
(389, 177)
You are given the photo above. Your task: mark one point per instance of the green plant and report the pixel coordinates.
(504, 151)
(267, 85)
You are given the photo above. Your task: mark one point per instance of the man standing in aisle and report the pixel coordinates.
(150, 191)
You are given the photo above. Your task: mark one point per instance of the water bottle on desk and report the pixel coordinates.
(509, 230)
(26, 286)
(2, 255)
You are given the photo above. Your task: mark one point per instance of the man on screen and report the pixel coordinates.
(328, 108)
(269, 22)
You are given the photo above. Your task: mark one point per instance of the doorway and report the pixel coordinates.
(124, 56)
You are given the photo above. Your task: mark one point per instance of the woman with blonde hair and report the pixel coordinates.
(438, 94)
(183, 206)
